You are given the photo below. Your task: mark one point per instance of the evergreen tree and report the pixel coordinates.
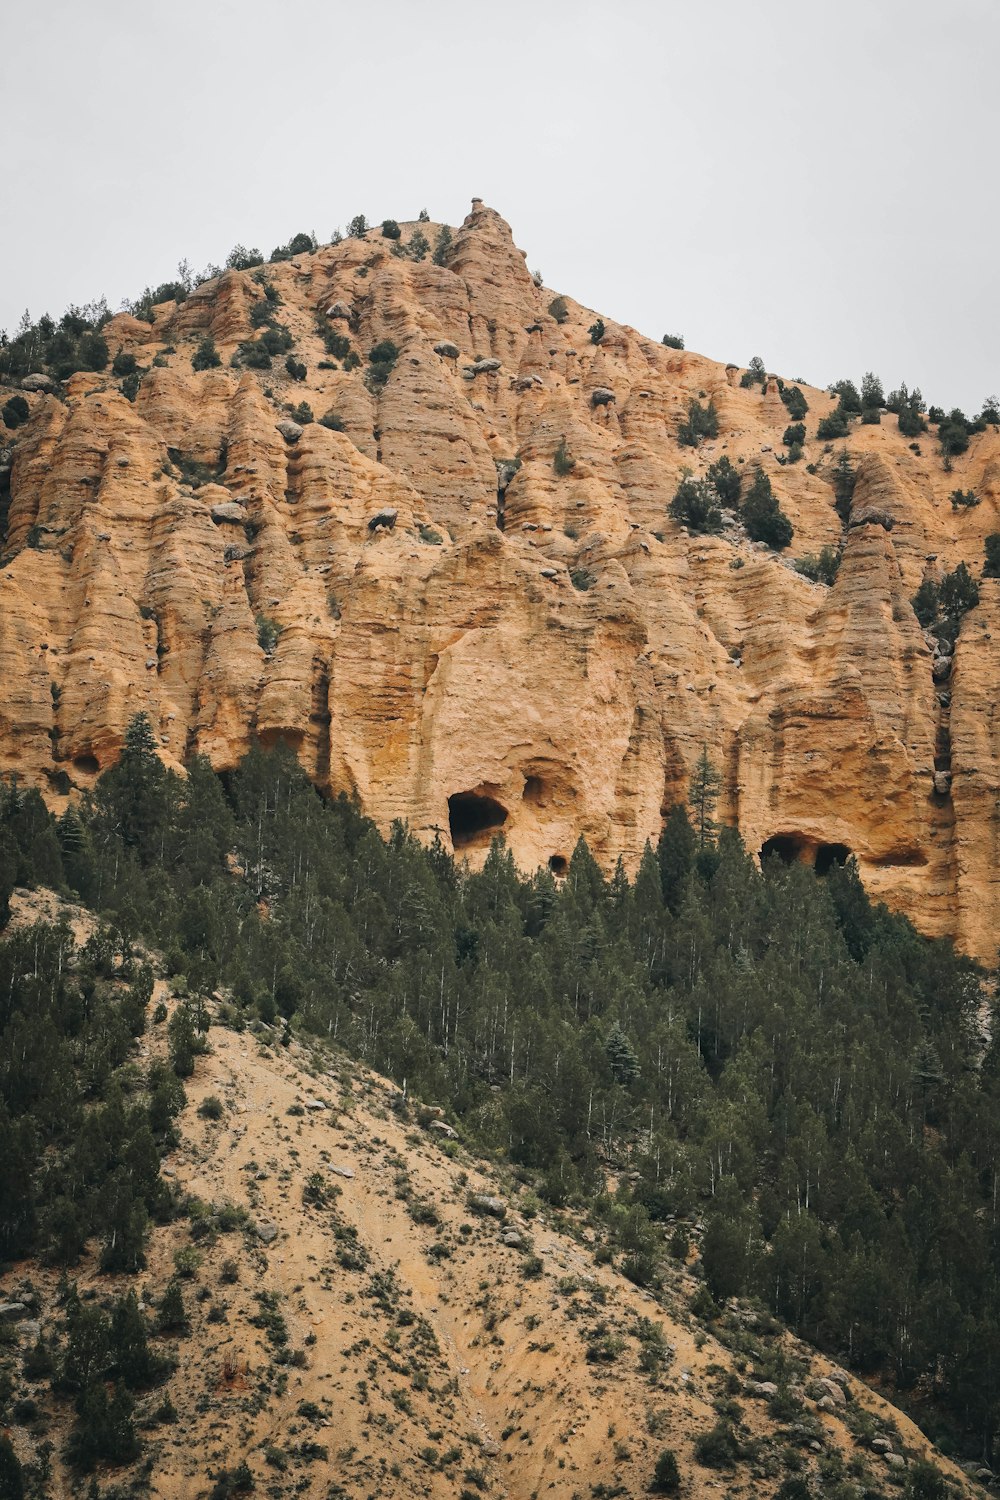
(703, 793)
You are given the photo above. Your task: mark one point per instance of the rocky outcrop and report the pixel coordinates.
(470, 637)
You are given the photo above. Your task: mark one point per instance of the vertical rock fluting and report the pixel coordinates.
(549, 671)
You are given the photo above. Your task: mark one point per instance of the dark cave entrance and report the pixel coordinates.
(830, 855)
(788, 847)
(558, 864)
(473, 818)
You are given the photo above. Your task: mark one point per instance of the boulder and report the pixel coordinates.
(443, 1128)
(290, 431)
(941, 668)
(895, 1460)
(881, 1445)
(267, 1232)
(834, 1391)
(346, 1172)
(227, 510)
(38, 383)
(447, 349)
(942, 783)
(13, 1312)
(513, 1239)
(601, 396)
(762, 1388)
(483, 367)
(339, 310)
(315, 1104)
(484, 1203)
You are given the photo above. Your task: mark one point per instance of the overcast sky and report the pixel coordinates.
(812, 183)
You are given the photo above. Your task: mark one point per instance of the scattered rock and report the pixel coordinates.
(446, 349)
(895, 1460)
(290, 431)
(484, 1203)
(227, 510)
(942, 783)
(267, 1232)
(881, 1445)
(482, 367)
(550, 572)
(347, 1172)
(12, 1312)
(315, 1104)
(762, 1388)
(834, 1391)
(444, 1129)
(38, 383)
(513, 1239)
(339, 310)
(601, 396)
(941, 668)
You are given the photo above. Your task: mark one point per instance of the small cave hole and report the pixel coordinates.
(828, 855)
(558, 864)
(473, 818)
(87, 765)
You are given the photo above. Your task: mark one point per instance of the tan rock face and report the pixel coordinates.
(513, 649)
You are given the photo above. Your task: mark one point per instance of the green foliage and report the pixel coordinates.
(957, 593)
(206, 356)
(558, 309)
(718, 1448)
(794, 434)
(562, 460)
(991, 568)
(621, 1055)
(703, 793)
(11, 1473)
(242, 259)
(582, 579)
(724, 478)
(268, 632)
(332, 420)
(953, 433)
(850, 400)
(358, 227)
(124, 364)
(702, 422)
(795, 403)
(299, 244)
(390, 229)
(303, 413)
(872, 395)
(844, 480)
(836, 425)
(755, 374)
(442, 245)
(926, 602)
(597, 331)
(696, 506)
(673, 340)
(667, 1474)
(381, 363)
(763, 518)
(821, 569)
(15, 411)
(963, 499)
(336, 344)
(295, 368)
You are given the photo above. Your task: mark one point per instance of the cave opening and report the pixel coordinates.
(534, 790)
(558, 864)
(473, 818)
(829, 855)
(87, 765)
(787, 847)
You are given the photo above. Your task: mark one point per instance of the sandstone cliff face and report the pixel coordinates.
(514, 648)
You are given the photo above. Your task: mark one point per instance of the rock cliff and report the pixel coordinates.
(441, 622)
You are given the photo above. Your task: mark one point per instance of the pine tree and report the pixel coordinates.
(706, 783)
(622, 1059)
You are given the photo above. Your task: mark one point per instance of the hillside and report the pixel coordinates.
(369, 1309)
(439, 621)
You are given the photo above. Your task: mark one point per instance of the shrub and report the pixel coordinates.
(821, 569)
(124, 364)
(953, 433)
(724, 478)
(836, 425)
(268, 631)
(794, 435)
(850, 400)
(872, 394)
(755, 373)
(844, 480)
(582, 579)
(558, 309)
(130, 386)
(390, 229)
(991, 411)
(211, 1108)
(337, 344)
(172, 1315)
(15, 411)
(429, 535)
(332, 420)
(963, 499)
(959, 591)
(673, 340)
(418, 246)
(206, 356)
(702, 422)
(381, 363)
(242, 259)
(991, 567)
(795, 403)
(562, 460)
(696, 506)
(871, 417)
(596, 331)
(926, 602)
(667, 1475)
(763, 517)
(717, 1448)
(295, 368)
(358, 227)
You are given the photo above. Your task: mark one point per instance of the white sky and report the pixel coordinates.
(812, 183)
